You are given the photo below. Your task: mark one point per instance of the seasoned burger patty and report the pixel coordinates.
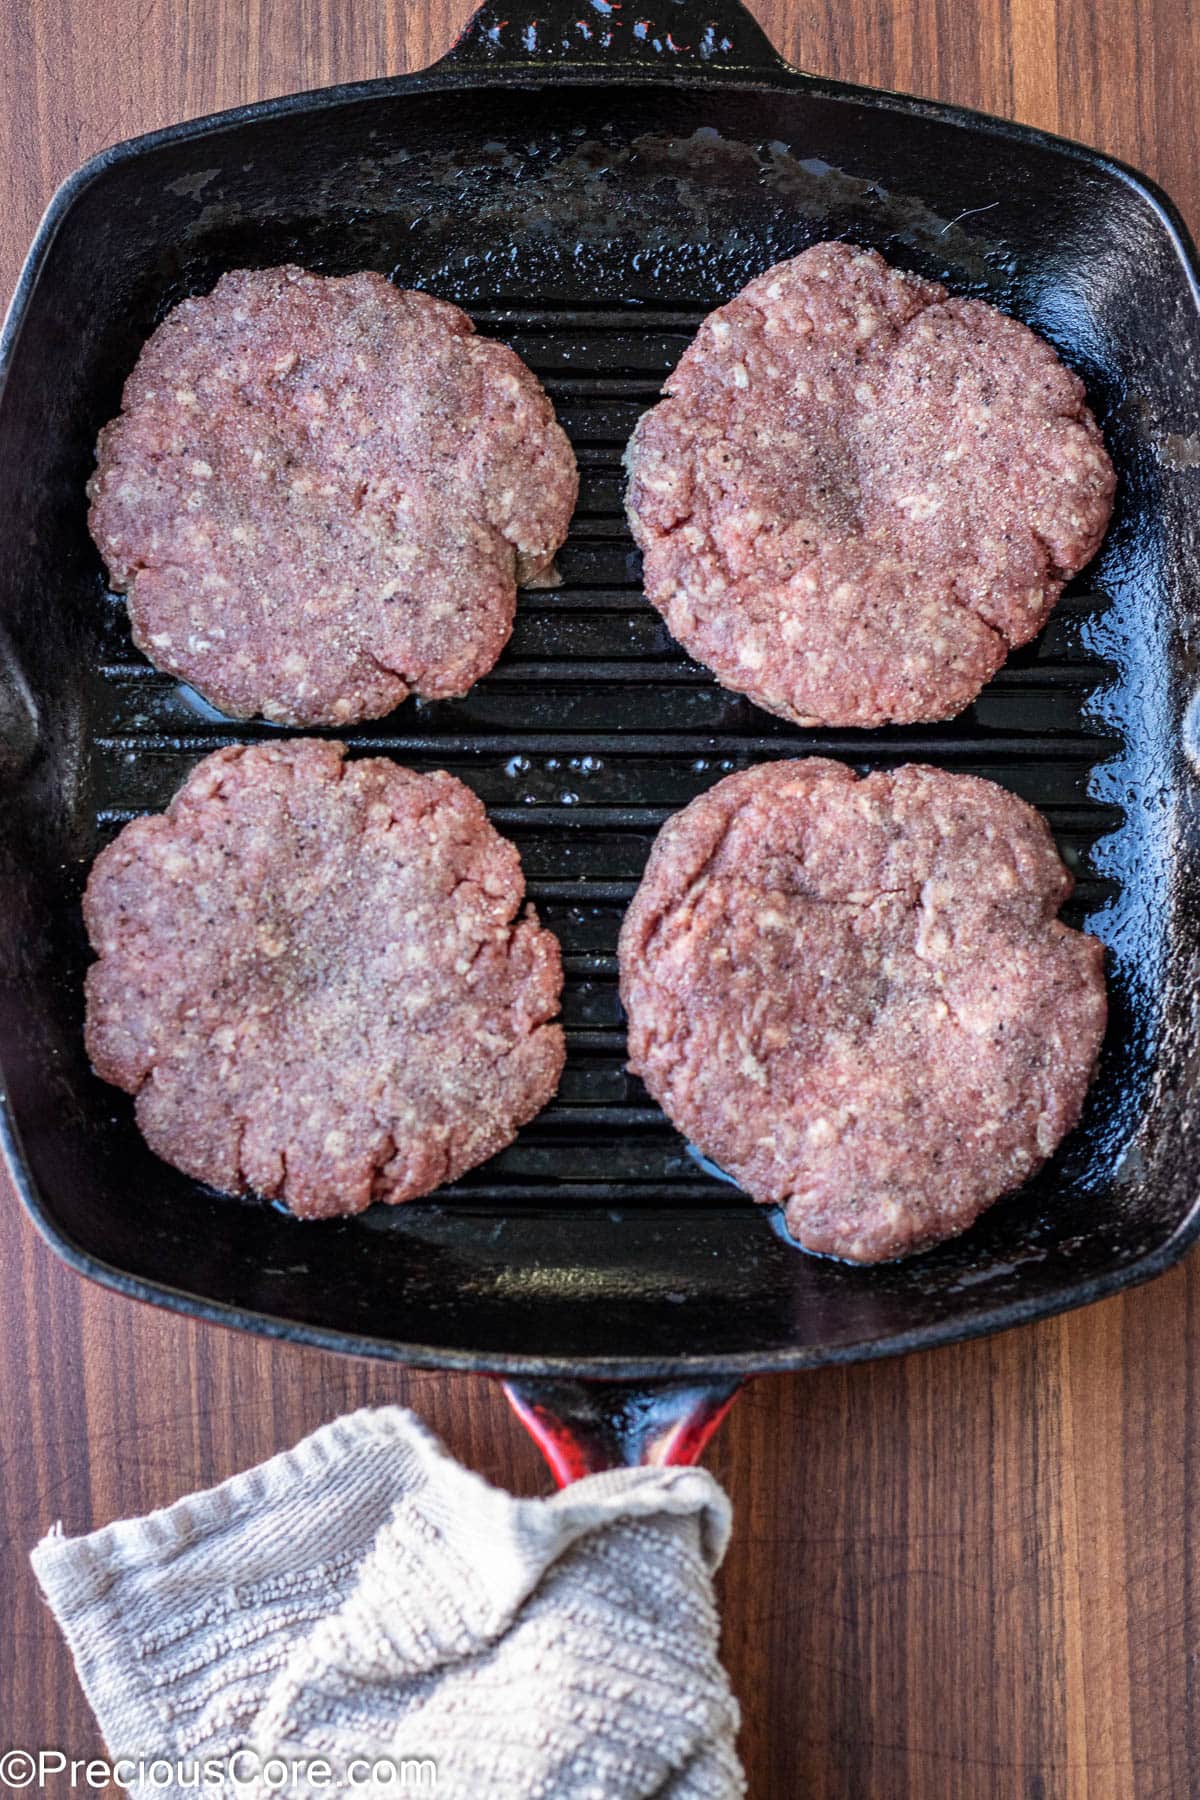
(860, 493)
(319, 980)
(321, 494)
(855, 996)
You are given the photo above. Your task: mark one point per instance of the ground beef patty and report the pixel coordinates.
(861, 493)
(318, 979)
(321, 494)
(854, 995)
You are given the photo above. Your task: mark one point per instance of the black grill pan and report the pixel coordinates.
(588, 184)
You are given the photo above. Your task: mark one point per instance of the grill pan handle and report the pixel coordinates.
(584, 1427)
(717, 36)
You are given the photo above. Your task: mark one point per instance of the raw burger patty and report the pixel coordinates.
(862, 493)
(319, 980)
(322, 492)
(855, 996)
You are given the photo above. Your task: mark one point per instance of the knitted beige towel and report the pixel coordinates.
(374, 1616)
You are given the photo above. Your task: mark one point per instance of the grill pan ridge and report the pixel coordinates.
(592, 227)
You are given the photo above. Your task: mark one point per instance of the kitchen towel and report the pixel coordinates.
(373, 1618)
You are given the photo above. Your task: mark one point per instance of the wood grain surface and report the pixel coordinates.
(970, 1573)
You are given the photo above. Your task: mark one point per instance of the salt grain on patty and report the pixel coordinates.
(860, 493)
(855, 996)
(319, 979)
(321, 494)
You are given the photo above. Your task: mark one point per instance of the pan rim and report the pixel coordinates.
(449, 75)
(785, 1360)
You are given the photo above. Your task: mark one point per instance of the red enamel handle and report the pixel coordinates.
(583, 1427)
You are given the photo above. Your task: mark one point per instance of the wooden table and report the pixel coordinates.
(970, 1573)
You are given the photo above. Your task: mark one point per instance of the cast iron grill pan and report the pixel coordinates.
(591, 227)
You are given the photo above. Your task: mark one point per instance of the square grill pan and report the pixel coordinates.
(588, 191)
